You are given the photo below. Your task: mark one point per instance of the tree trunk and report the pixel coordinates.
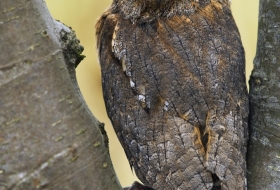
(49, 139)
(263, 158)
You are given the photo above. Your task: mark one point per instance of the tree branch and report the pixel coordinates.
(49, 139)
(263, 152)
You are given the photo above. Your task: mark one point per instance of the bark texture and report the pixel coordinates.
(174, 88)
(48, 139)
(264, 145)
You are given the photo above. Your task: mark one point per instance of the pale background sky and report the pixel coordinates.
(81, 16)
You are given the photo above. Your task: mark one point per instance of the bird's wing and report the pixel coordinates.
(175, 92)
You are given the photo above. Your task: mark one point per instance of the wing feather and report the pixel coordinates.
(171, 89)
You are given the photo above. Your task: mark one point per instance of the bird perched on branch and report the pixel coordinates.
(174, 87)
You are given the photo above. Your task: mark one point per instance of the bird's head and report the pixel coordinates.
(149, 10)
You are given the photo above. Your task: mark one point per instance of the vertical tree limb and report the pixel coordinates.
(48, 137)
(264, 147)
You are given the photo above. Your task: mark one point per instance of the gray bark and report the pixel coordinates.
(263, 158)
(49, 139)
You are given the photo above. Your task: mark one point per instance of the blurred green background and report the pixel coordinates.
(82, 15)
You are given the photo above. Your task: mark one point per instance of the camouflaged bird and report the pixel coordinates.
(174, 86)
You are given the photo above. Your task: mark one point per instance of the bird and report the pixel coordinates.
(174, 86)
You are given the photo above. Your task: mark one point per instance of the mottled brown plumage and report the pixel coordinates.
(174, 87)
